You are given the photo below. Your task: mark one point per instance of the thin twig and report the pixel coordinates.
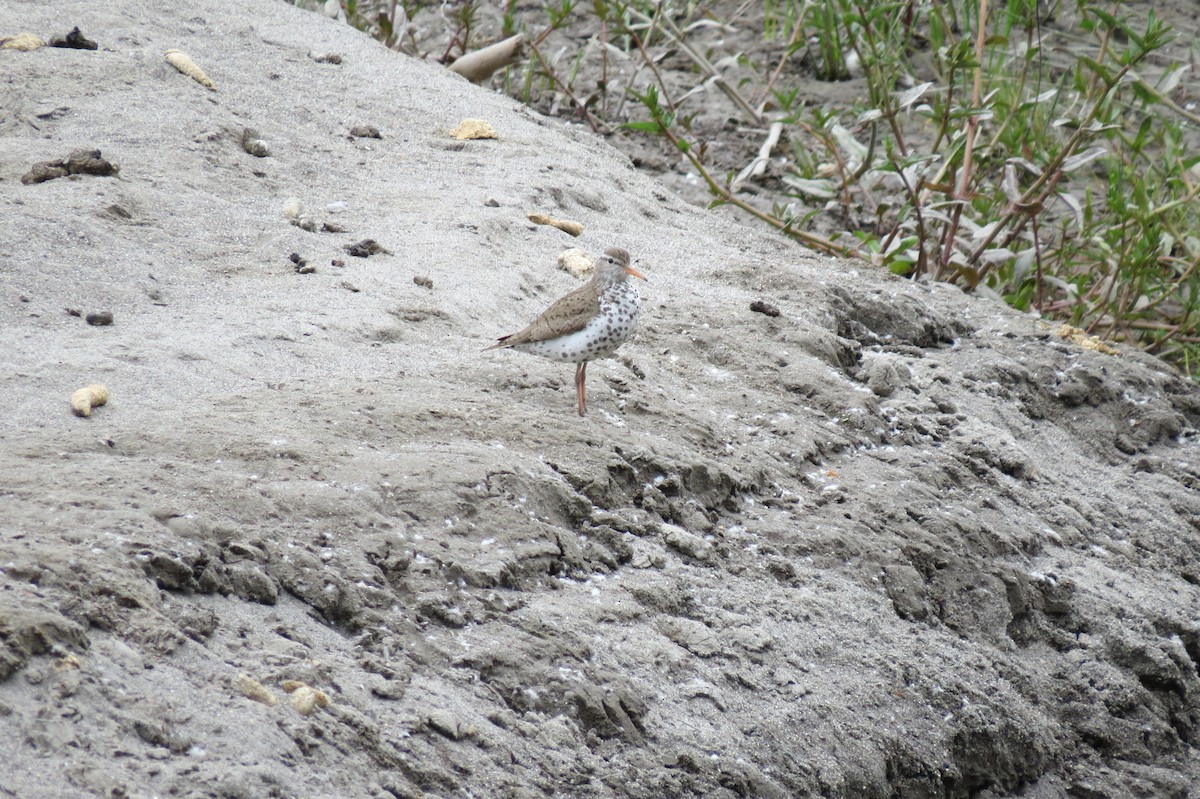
(676, 36)
(787, 53)
(966, 173)
(596, 124)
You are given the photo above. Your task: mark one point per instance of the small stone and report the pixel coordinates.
(762, 307)
(252, 689)
(688, 543)
(473, 129)
(387, 689)
(575, 262)
(427, 282)
(305, 699)
(301, 266)
(448, 724)
(365, 132)
(365, 248)
(100, 319)
(253, 143)
(88, 397)
(90, 162)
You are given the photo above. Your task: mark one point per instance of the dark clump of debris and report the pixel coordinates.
(763, 307)
(79, 162)
(365, 248)
(74, 40)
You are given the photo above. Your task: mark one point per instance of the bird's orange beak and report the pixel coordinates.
(635, 272)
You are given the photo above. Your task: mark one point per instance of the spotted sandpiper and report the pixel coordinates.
(589, 323)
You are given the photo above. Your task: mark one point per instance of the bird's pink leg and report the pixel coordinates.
(580, 391)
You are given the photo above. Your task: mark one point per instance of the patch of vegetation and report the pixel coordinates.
(1026, 151)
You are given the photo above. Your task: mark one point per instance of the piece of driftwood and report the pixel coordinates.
(478, 66)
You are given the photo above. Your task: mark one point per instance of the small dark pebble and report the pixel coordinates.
(74, 40)
(758, 306)
(295, 258)
(337, 262)
(73, 312)
(348, 286)
(332, 227)
(427, 282)
(492, 203)
(365, 132)
(326, 58)
(364, 248)
(100, 319)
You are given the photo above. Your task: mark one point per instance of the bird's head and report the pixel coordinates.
(614, 265)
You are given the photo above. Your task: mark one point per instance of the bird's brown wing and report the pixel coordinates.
(567, 315)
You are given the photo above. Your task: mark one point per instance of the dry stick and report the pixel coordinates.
(1193, 191)
(1026, 211)
(889, 113)
(840, 163)
(1037, 255)
(787, 53)
(1169, 103)
(764, 152)
(1106, 298)
(604, 66)
(676, 35)
(650, 63)
(633, 78)
(1122, 315)
(921, 234)
(595, 123)
(759, 165)
(964, 175)
(817, 242)
(868, 157)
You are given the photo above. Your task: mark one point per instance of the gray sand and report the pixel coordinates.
(894, 541)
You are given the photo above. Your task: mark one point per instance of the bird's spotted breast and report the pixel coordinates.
(607, 330)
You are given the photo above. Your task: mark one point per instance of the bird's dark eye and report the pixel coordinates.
(610, 260)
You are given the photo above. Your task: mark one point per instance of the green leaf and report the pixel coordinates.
(643, 127)
(1102, 71)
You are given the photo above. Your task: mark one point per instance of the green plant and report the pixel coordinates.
(1048, 168)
